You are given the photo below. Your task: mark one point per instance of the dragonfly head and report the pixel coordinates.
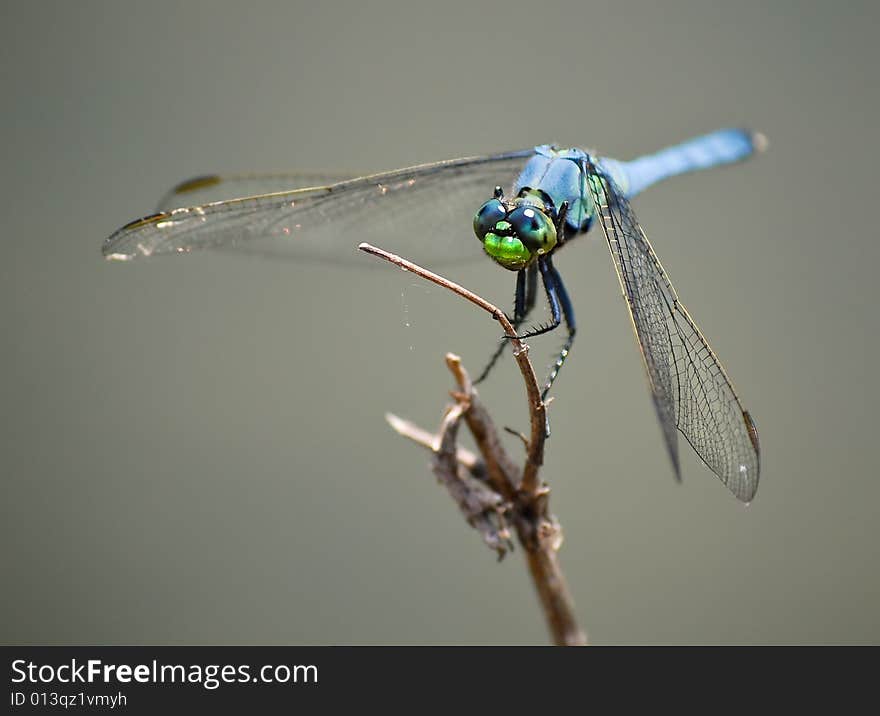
(515, 233)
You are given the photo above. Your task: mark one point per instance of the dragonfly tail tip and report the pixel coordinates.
(760, 142)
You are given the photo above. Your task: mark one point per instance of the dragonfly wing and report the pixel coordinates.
(422, 212)
(690, 388)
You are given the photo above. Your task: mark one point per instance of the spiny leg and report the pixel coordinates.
(555, 289)
(568, 313)
(560, 305)
(523, 303)
(549, 277)
(567, 308)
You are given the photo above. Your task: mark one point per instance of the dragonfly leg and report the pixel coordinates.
(550, 277)
(523, 303)
(568, 313)
(560, 306)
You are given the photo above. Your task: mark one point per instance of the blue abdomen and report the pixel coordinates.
(711, 150)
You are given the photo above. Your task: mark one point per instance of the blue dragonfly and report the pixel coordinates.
(554, 194)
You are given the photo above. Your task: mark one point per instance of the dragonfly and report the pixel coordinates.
(540, 199)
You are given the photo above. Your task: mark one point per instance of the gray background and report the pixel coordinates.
(193, 449)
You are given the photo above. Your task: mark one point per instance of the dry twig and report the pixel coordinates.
(492, 489)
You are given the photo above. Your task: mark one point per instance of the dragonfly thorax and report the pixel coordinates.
(515, 233)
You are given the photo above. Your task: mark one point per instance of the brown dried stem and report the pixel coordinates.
(521, 496)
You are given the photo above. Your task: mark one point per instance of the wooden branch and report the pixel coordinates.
(483, 508)
(520, 491)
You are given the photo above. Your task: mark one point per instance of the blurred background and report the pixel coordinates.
(193, 448)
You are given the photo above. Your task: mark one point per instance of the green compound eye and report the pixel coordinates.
(534, 228)
(487, 216)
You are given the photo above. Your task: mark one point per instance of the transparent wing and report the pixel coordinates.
(423, 212)
(690, 388)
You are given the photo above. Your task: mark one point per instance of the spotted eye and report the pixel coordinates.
(487, 216)
(534, 228)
